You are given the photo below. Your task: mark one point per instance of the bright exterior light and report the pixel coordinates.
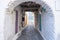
(30, 17)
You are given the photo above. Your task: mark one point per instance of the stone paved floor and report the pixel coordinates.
(30, 33)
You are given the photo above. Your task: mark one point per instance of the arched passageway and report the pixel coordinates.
(32, 7)
(44, 18)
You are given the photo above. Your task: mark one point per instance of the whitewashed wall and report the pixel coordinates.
(3, 5)
(2, 18)
(57, 24)
(1, 26)
(9, 27)
(57, 19)
(55, 5)
(47, 25)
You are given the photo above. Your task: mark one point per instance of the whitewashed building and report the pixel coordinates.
(50, 18)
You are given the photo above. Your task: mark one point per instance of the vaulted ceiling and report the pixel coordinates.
(30, 6)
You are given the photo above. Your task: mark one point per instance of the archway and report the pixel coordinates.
(46, 14)
(29, 18)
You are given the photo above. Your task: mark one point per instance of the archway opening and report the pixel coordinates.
(46, 17)
(31, 8)
(29, 18)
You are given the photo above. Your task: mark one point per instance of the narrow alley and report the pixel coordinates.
(29, 20)
(30, 33)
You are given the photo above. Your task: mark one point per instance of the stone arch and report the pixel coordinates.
(47, 17)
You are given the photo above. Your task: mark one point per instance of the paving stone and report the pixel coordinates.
(30, 33)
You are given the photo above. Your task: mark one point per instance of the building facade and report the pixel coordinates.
(48, 19)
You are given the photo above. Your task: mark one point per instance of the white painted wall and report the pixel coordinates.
(2, 18)
(57, 19)
(1, 26)
(10, 19)
(3, 5)
(9, 27)
(55, 5)
(57, 24)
